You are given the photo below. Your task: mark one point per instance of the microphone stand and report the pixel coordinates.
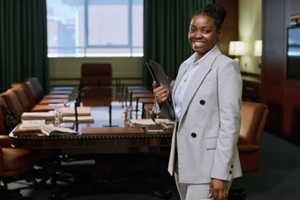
(110, 125)
(76, 113)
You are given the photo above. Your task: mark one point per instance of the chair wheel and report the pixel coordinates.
(53, 181)
(163, 193)
(59, 196)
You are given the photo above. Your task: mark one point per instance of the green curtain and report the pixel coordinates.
(166, 25)
(23, 42)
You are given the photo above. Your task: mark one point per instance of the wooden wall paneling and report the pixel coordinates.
(295, 122)
(273, 31)
(273, 95)
(282, 96)
(230, 29)
(291, 100)
(291, 7)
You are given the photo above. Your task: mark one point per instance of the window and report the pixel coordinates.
(293, 52)
(95, 28)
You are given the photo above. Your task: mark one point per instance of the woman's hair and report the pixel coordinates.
(215, 11)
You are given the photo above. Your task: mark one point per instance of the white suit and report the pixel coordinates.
(208, 128)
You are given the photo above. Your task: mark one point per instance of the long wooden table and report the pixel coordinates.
(98, 140)
(95, 139)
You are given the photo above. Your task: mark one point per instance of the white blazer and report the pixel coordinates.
(208, 129)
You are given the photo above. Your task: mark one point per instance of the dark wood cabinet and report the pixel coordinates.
(251, 87)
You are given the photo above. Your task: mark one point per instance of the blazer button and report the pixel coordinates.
(230, 172)
(202, 102)
(193, 135)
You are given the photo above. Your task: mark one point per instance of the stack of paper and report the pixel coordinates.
(70, 111)
(38, 116)
(80, 119)
(156, 125)
(147, 122)
(83, 114)
(51, 130)
(46, 129)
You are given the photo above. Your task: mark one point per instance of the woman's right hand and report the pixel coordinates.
(160, 92)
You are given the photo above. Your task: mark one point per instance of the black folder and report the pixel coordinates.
(158, 74)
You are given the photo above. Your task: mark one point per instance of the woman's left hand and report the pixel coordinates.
(218, 189)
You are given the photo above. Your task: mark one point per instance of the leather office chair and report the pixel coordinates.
(23, 98)
(26, 103)
(95, 87)
(35, 95)
(14, 105)
(96, 75)
(14, 162)
(39, 88)
(253, 119)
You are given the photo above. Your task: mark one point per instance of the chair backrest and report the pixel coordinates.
(253, 119)
(31, 92)
(36, 84)
(23, 98)
(3, 128)
(96, 75)
(13, 104)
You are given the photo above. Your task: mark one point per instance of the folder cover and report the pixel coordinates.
(158, 74)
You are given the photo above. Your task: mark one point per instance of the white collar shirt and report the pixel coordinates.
(182, 86)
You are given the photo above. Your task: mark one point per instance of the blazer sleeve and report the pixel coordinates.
(164, 111)
(229, 100)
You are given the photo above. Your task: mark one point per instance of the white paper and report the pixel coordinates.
(70, 111)
(38, 115)
(80, 119)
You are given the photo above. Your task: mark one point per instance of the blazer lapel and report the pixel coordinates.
(198, 79)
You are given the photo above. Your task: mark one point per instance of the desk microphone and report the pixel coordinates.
(76, 113)
(110, 125)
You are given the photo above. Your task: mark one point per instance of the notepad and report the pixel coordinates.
(151, 126)
(88, 119)
(38, 116)
(70, 111)
(46, 129)
(147, 122)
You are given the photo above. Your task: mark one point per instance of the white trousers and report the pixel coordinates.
(193, 191)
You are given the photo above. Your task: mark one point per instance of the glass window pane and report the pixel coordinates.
(95, 28)
(137, 23)
(108, 24)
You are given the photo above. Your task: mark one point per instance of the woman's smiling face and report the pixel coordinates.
(203, 34)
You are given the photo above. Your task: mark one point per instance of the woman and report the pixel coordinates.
(206, 99)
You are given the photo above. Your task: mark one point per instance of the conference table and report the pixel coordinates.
(94, 139)
(97, 140)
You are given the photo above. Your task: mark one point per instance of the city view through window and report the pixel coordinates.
(95, 28)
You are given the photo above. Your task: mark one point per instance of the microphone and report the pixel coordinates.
(76, 113)
(109, 119)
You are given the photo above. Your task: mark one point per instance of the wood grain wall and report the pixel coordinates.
(281, 95)
(230, 30)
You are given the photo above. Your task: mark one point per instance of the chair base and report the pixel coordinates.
(12, 194)
(237, 194)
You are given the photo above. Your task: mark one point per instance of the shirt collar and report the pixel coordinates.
(193, 57)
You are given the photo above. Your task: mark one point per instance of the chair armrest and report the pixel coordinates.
(5, 141)
(248, 148)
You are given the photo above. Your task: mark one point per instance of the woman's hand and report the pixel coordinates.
(160, 92)
(218, 189)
